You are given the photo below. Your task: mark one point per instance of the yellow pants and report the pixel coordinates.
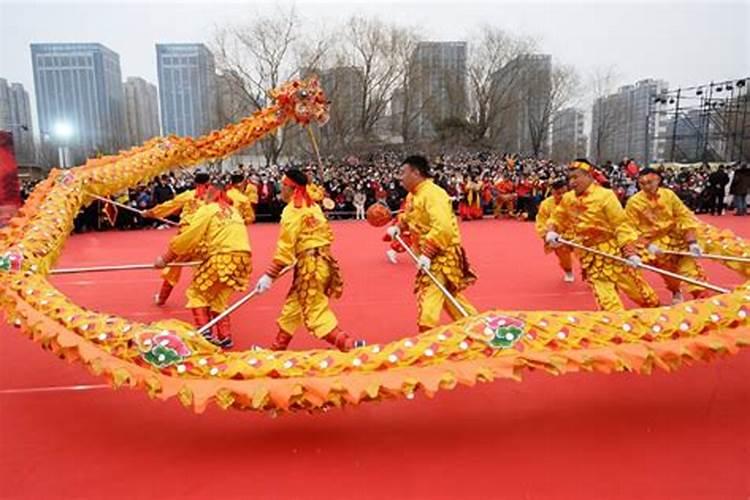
(216, 279)
(631, 283)
(431, 302)
(316, 277)
(215, 298)
(685, 266)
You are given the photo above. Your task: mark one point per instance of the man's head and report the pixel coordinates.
(559, 188)
(201, 177)
(414, 170)
(237, 178)
(293, 179)
(649, 180)
(580, 175)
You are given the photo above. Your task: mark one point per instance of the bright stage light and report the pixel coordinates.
(63, 130)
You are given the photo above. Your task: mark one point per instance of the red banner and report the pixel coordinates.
(10, 193)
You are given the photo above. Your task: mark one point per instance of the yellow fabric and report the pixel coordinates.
(431, 222)
(666, 222)
(564, 254)
(597, 220)
(546, 207)
(452, 270)
(216, 278)
(431, 216)
(594, 216)
(242, 204)
(662, 218)
(431, 302)
(251, 191)
(301, 229)
(472, 193)
(186, 204)
(631, 284)
(316, 278)
(317, 193)
(216, 229)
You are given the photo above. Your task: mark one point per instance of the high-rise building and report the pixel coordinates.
(625, 124)
(568, 138)
(141, 110)
(187, 89)
(523, 92)
(79, 91)
(438, 74)
(15, 117)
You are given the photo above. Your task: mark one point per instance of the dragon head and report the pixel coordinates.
(304, 100)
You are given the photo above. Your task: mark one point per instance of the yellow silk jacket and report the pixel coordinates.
(594, 217)
(301, 229)
(431, 220)
(660, 216)
(213, 227)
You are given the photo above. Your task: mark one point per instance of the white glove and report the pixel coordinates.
(393, 231)
(264, 284)
(423, 263)
(552, 238)
(695, 249)
(635, 261)
(654, 250)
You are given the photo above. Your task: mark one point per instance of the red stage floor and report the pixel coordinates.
(680, 435)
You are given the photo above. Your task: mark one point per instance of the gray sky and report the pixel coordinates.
(686, 44)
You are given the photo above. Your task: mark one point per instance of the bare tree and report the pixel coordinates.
(264, 53)
(373, 46)
(607, 113)
(405, 108)
(491, 91)
(544, 98)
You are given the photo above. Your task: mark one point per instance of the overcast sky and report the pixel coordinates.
(686, 44)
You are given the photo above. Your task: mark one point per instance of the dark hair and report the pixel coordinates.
(237, 177)
(419, 163)
(201, 177)
(297, 176)
(559, 184)
(649, 170)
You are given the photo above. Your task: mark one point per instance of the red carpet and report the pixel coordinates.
(679, 435)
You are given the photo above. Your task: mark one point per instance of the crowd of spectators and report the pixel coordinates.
(353, 183)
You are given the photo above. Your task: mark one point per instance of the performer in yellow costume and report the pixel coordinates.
(305, 241)
(593, 217)
(185, 204)
(665, 223)
(251, 191)
(218, 228)
(564, 254)
(239, 200)
(435, 236)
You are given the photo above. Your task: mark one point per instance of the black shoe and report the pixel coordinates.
(360, 343)
(225, 343)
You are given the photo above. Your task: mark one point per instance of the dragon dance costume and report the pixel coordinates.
(564, 254)
(305, 241)
(434, 232)
(185, 204)
(663, 220)
(596, 219)
(218, 230)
